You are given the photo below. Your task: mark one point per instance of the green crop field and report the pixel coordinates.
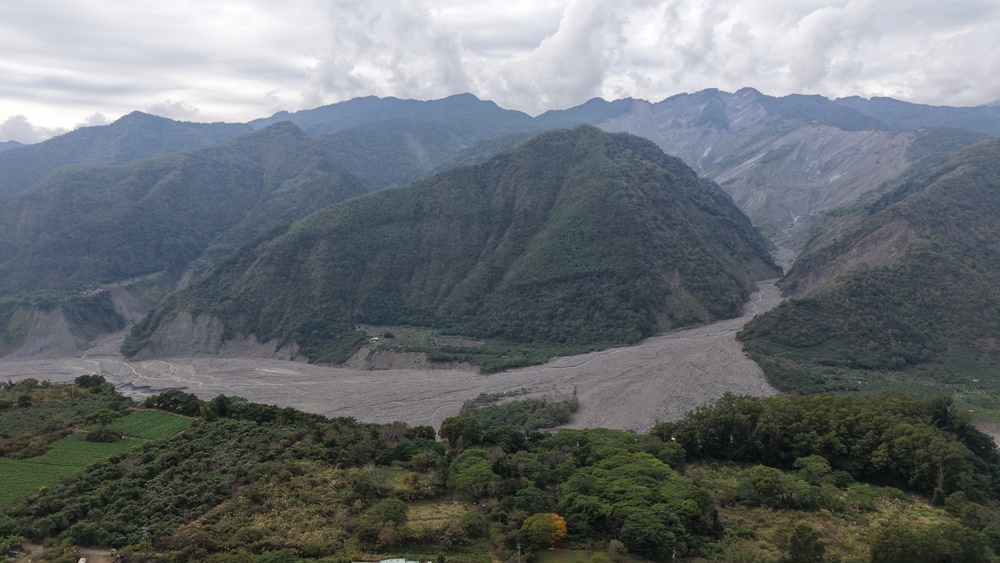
(150, 425)
(21, 477)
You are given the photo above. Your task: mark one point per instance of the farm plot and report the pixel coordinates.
(415, 338)
(150, 425)
(21, 477)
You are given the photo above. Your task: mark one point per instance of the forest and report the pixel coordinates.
(784, 478)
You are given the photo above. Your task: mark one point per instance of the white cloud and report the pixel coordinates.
(240, 59)
(178, 110)
(94, 120)
(18, 128)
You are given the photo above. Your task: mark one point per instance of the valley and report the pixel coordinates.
(632, 387)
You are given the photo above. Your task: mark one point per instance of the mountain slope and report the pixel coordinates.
(574, 237)
(95, 225)
(904, 115)
(134, 136)
(781, 159)
(909, 286)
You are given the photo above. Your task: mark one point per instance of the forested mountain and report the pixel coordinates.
(8, 145)
(89, 226)
(782, 160)
(574, 236)
(134, 136)
(102, 224)
(906, 285)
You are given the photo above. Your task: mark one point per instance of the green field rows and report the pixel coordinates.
(150, 425)
(21, 477)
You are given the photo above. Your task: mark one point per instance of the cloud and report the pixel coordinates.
(177, 110)
(18, 128)
(93, 121)
(389, 48)
(240, 59)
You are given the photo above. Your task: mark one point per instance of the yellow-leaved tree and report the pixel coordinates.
(544, 528)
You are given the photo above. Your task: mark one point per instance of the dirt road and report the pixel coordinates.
(659, 379)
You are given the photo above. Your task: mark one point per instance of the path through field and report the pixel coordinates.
(661, 378)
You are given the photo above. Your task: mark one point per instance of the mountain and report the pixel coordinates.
(8, 145)
(573, 237)
(88, 227)
(903, 115)
(134, 136)
(904, 287)
(461, 111)
(782, 159)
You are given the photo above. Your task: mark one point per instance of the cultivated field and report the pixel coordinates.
(21, 477)
(661, 378)
(150, 425)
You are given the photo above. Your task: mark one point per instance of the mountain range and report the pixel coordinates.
(147, 205)
(574, 237)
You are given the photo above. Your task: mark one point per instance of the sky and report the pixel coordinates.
(71, 63)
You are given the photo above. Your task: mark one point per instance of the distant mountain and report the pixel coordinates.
(461, 111)
(134, 136)
(906, 116)
(906, 285)
(8, 145)
(782, 159)
(102, 224)
(575, 237)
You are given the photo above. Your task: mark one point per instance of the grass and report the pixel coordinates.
(431, 514)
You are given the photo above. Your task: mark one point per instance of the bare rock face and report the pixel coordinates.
(202, 336)
(779, 170)
(46, 335)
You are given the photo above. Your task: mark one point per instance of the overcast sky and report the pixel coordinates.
(67, 63)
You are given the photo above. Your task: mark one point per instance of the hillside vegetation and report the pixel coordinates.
(132, 137)
(907, 291)
(575, 237)
(746, 479)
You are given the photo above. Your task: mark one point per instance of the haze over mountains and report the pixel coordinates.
(135, 217)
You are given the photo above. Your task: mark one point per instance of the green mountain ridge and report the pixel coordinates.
(574, 237)
(144, 224)
(134, 136)
(96, 225)
(907, 289)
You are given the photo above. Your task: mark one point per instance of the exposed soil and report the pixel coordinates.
(632, 387)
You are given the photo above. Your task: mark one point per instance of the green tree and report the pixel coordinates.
(102, 418)
(461, 431)
(388, 510)
(928, 542)
(804, 545)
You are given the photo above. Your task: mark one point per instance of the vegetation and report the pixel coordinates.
(796, 478)
(582, 259)
(42, 439)
(923, 313)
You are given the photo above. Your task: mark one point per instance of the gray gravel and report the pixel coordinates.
(630, 388)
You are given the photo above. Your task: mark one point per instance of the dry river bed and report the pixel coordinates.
(630, 388)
